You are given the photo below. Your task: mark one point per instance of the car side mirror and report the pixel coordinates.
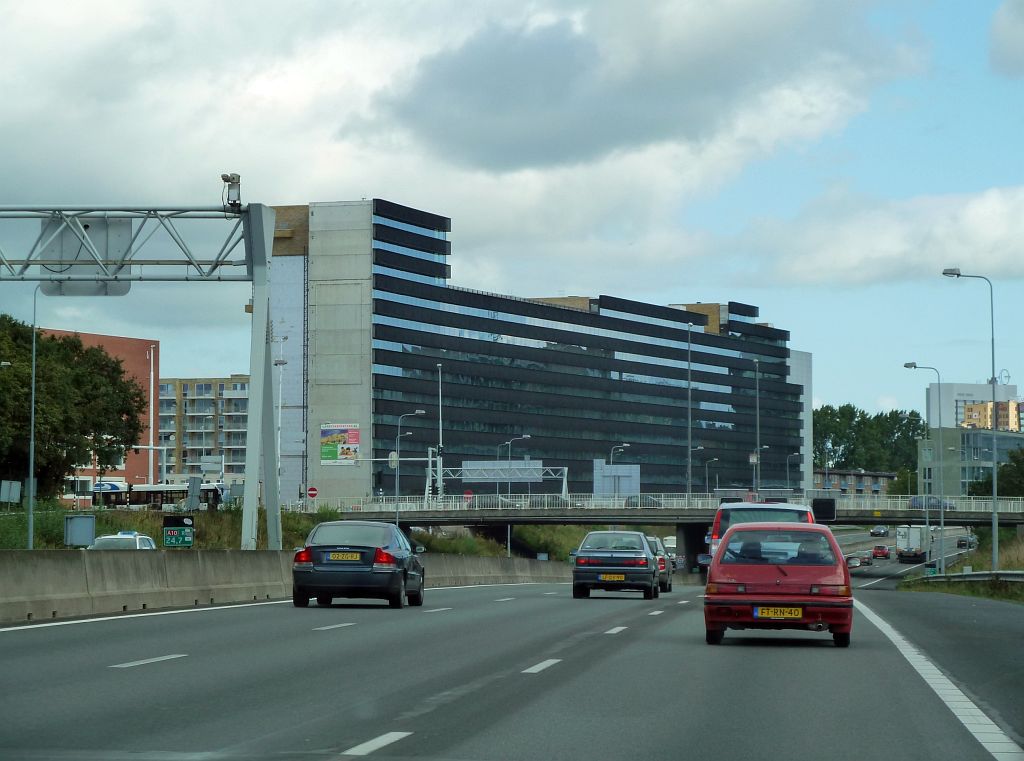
(853, 562)
(572, 553)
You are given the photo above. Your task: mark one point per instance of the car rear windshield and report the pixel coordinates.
(613, 540)
(355, 535)
(778, 548)
(760, 515)
(114, 543)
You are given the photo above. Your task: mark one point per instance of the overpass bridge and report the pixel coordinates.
(690, 517)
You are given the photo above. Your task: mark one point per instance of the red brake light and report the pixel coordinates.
(304, 557)
(661, 563)
(587, 561)
(634, 561)
(809, 517)
(381, 558)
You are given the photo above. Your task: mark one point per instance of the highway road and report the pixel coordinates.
(509, 672)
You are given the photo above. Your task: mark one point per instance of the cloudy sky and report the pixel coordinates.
(823, 161)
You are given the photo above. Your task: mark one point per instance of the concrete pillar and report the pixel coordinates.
(690, 543)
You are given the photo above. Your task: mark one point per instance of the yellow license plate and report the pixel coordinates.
(612, 577)
(343, 556)
(767, 611)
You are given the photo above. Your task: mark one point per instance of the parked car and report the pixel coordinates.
(732, 513)
(931, 502)
(123, 540)
(879, 531)
(362, 559)
(614, 561)
(880, 551)
(665, 565)
(779, 576)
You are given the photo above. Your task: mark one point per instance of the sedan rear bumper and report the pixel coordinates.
(347, 583)
(738, 613)
(635, 580)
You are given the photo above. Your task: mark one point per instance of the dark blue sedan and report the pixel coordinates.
(362, 559)
(613, 561)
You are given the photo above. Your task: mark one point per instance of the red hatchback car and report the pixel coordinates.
(880, 551)
(779, 576)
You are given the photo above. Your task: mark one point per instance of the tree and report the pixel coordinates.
(85, 406)
(848, 437)
(1011, 478)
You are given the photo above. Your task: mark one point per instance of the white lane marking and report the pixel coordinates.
(682, 602)
(975, 720)
(901, 572)
(616, 630)
(541, 666)
(551, 593)
(377, 743)
(130, 664)
(436, 610)
(122, 616)
(655, 613)
(504, 599)
(333, 626)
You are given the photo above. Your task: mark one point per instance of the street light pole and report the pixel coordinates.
(440, 436)
(955, 272)
(942, 507)
(509, 445)
(795, 454)
(706, 463)
(398, 451)
(32, 429)
(617, 448)
(757, 425)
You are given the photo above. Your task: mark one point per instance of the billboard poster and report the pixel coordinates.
(339, 443)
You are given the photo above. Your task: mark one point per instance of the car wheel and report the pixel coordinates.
(580, 592)
(842, 639)
(323, 600)
(668, 587)
(416, 598)
(651, 592)
(714, 636)
(299, 600)
(397, 600)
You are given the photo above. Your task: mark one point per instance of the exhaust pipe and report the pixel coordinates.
(818, 627)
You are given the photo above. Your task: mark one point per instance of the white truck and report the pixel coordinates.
(912, 543)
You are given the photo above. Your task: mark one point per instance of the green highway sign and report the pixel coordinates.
(179, 536)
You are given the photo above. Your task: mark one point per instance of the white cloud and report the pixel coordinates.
(1007, 39)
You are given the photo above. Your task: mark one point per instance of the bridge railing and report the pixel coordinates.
(675, 502)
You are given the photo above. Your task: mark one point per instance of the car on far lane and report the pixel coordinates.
(614, 561)
(866, 557)
(879, 531)
(967, 542)
(779, 576)
(362, 559)
(880, 551)
(665, 564)
(931, 502)
(123, 540)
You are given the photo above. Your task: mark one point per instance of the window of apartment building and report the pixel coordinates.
(184, 389)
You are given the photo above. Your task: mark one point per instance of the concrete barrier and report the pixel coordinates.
(42, 585)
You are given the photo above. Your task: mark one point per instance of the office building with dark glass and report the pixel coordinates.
(368, 332)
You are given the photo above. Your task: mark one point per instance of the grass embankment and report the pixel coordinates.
(1011, 558)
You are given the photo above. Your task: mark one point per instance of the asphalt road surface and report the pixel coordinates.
(516, 672)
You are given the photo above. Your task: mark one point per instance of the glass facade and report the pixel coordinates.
(578, 381)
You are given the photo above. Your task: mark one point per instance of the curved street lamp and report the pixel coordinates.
(618, 448)
(707, 486)
(398, 451)
(942, 510)
(955, 272)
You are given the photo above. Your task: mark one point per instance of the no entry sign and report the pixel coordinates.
(311, 492)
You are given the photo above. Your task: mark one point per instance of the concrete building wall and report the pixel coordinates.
(339, 341)
(955, 396)
(800, 371)
(288, 278)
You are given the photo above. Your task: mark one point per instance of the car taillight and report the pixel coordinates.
(383, 559)
(634, 561)
(587, 561)
(661, 563)
(809, 517)
(303, 557)
(725, 588)
(837, 590)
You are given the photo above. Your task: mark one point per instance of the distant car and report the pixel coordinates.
(362, 559)
(779, 576)
(880, 551)
(614, 561)
(665, 565)
(879, 531)
(123, 540)
(732, 513)
(866, 557)
(931, 502)
(968, 542)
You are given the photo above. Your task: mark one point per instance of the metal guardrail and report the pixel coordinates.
(1014, 576)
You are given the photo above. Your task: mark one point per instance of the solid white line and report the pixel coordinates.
(976, 722)
(504, 599)
(334, 626)
(148, 660)
(655, 613)
(122, 616)
(436, 610)
(616, 630)
(375, 744)
(541, 666)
